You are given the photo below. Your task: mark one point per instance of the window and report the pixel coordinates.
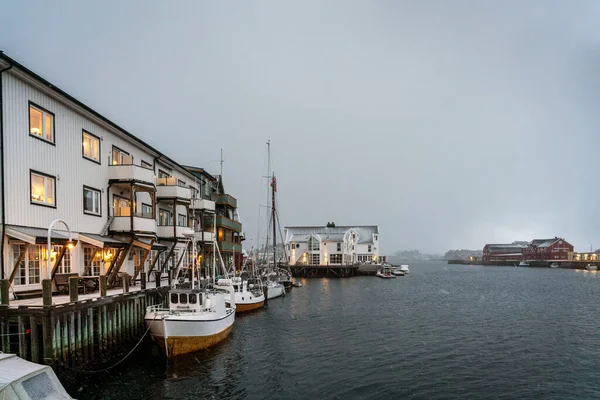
(314, 259)
(42, 189)
(91, 261)
(375, 237)
(174, 298)
(120, 206)
(193, 298)
(163, 174)
(33, 264)
(146, 165)
(183, 298)
(313, 244)
(41, 123)
(339, 247)
(65, 264)
(335, 259)
(91, 147)
(120, 157)
(180, 183)
(21, 276)
(181, 220)
(369, 248)
(147, 211)
(165, 217)
(91, 201)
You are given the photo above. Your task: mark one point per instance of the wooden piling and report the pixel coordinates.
(73, 288)
(47, 292)
(143, 280)
(90, 333)
(22, 337)
(4, 331)
(4, 291)
(35, 339)
(102, 281)
(125, 282)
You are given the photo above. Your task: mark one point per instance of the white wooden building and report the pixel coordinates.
(130, 207)
(332, 245)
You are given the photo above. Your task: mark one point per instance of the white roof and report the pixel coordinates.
(330, 234)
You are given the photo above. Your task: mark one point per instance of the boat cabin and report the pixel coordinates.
(188, 300)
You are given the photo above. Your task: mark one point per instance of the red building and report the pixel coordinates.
(536, 250)
(548, 249)
(503, 252)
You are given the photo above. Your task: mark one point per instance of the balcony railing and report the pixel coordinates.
(130, 172)
(140, 224)
(228, 246)
(169, 188)
(203, 205)
(228, 200)
(228, 223)
(204, 236)
(167, 231)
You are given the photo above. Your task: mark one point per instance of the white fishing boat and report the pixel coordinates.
(297, 284)
(404, 268)
(385, 273)
(248, 293)
(554, 265)
(523, 264)
(397, 271)
(591, 267)
(21, 379)
(195, 319)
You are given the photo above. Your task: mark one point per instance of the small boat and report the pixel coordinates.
(385, 273)
(196, 319)
(274, 290)
(21, 379)
(523, 264)
(404, 268)
(296, 284)
(397, 271)
(248, 293)
(591, 267)
(554, 265)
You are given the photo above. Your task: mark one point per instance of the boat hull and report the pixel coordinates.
(275, 291)
(245, 307)
(177, 334)
(385, 276)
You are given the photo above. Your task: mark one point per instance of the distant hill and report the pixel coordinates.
(412, 255)
(463, 254)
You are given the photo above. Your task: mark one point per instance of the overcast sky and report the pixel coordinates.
(450, 124)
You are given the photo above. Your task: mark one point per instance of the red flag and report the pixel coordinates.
(274, 184)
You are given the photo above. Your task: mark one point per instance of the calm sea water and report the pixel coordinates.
(444, 331)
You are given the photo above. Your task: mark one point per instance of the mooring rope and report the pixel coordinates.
(124, 358)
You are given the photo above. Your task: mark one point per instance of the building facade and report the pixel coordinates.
(536, 250)
(331, 245)
(130, 207)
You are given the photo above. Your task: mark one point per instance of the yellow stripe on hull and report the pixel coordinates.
(178, 345)
(248, 307)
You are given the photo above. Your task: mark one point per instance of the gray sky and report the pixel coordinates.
(447, 123)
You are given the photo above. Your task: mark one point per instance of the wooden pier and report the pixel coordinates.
(76, 333)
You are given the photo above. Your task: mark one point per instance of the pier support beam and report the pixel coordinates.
(142, 280)
(102, 285)
(125, 282)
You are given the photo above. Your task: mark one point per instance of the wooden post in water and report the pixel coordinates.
(143, 280)
(4, 331)
(73, 289)
(157, 278)
(22, 335)
(102, 285)
(47, 292)
(35, 344)
(4, 286)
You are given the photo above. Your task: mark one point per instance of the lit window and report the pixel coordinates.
(42, 189)
(91, 201)
(91, 146)
(41, 123)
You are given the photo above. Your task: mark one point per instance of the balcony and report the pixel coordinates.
(166, 231)
(129, 172)
(228, 223)
(208, 236)
(228, 246)
(168, 188)
(122, 223)
(203, 205)
(228, 200)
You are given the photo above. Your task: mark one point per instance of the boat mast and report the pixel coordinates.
(273, 190)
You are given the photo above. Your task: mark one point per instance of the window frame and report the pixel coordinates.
(120, 151)
(43, 111)
(147, 165)
(85, 187)
(99, 160)
(45, 176)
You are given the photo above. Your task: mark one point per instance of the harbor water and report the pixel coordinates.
(443, 331)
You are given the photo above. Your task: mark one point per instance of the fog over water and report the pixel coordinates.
(449, 124)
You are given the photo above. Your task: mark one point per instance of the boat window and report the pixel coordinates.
(183, 298)
(193, 298)
(200, 298)
(174, 298)
(38, 386)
